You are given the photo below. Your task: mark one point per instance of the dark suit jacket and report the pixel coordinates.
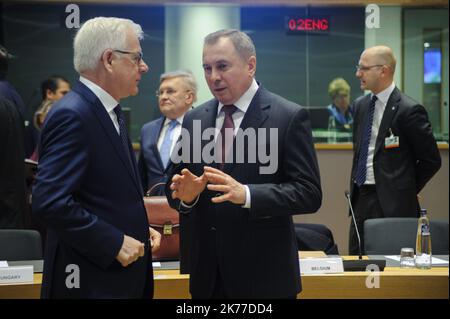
(400, 173)
(12, 167)
(89, 195)
(254, 249)
(151, 168)
(8, 92)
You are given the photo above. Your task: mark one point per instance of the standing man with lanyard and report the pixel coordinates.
(395, 153)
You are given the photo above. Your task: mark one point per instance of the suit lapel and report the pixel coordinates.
(255, 116)
(105, 121)
(257, 112)
(389, 111)
(155, 133)
(208, 120)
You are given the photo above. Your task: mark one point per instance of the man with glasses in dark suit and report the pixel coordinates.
(87, 191)
(395, 153)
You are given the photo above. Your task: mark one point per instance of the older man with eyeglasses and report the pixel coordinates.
(176, 94)
(87, 191)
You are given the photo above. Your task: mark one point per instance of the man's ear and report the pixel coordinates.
(189, 98)
(107, 59)
(49, 94)
(251, 63)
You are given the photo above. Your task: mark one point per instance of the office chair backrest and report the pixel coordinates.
(20, 244)
(315, 237)
(387, 236)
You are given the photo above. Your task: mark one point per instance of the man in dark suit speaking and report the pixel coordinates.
(241, 202)
(87, 190)
(395, 153)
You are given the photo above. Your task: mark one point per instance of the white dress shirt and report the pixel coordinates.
(176, 132)
(108, 102)
(380, 105)
(242, 105)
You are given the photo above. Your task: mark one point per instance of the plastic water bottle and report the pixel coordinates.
(332, 138)
(423, 242)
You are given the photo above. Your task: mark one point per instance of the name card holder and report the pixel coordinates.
(326, 265)
(16, 274)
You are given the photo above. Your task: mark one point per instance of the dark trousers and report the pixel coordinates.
(218, 290)
(365, 206)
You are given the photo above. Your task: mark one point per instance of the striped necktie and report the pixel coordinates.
(227, 132)
(361, 170)
(123, 133)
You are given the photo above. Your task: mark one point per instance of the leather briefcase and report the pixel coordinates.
(166, 221)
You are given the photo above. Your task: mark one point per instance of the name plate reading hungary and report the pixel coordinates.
(326, 265)
(16, 274)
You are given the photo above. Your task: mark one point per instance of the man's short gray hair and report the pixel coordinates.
(187, 77)
(241, 41)
(99, 34)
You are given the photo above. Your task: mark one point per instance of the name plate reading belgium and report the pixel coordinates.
(327, 265)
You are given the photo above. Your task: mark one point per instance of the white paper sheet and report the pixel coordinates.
(156, 264)
(3, 263)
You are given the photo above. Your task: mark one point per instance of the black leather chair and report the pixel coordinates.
(387, 236)
(20, 244)
(315, 237)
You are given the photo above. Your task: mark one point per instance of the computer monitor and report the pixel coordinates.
(318, 116)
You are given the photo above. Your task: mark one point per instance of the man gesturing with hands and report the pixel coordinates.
(242, 242)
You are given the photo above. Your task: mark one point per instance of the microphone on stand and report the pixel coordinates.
(347, 195)
(360, 264)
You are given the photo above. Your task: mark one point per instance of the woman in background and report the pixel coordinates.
(340, 119)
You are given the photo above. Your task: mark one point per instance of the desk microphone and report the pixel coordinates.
(360, 264)
(347, 195)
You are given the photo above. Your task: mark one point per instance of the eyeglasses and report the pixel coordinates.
(169, 92)
(367, 68)
(135, 56)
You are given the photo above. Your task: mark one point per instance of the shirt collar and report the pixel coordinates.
(178, 119)
(105, 98)
(244, 101)
(384, 95)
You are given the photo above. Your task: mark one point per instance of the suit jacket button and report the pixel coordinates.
(213, 228)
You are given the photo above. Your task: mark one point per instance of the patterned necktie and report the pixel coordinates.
(227, 135)
(361, 170)
(123, 132)
(167, 143)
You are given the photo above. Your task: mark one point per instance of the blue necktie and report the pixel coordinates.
(167, 143)
(123, 132)
(361, 170)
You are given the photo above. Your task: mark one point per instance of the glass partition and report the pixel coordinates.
(432, 79)
(301, 50)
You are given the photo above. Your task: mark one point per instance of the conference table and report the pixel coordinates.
(392, 283)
